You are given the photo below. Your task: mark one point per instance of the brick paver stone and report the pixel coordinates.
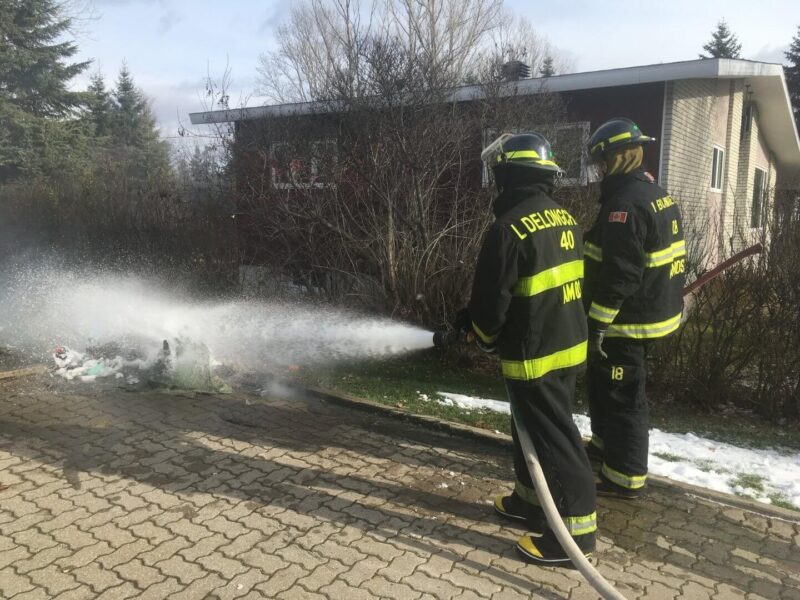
(113, 494)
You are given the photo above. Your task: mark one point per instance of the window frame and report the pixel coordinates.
(717, 168)
(313, 169)
(762, 197)
(587, 174)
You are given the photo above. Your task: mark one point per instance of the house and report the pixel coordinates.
(726, 137)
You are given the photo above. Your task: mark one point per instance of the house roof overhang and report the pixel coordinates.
(766, 81)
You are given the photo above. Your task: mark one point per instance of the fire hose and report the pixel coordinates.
(593, 577)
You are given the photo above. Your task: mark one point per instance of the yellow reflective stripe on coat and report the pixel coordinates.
(631, 482)
(549, 278)
(592, 251)
(602, 313)
(665, 256)
(489, 339)
(533, 368)
(643, 331)
(659, 258)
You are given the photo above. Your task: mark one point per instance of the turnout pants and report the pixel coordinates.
(619, 411)
(545, 407)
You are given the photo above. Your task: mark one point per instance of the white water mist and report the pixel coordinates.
(45, 307)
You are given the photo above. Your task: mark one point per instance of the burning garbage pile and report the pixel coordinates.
(183, 365)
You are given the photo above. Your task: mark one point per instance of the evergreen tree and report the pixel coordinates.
(34, 64)
(100, 106)
(132, 116)
(547, 69)
(723, 44)
(792, 71)
(35, 71)
(134, 130)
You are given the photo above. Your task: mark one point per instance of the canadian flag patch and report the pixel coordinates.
(619, 216)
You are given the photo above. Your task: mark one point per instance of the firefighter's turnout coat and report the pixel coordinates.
(526, 295)
(635, 260)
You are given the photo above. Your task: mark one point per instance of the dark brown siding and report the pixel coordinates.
(643, 103)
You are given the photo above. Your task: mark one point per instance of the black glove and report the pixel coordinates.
(462, 322)
(489, 348)
(595, 349)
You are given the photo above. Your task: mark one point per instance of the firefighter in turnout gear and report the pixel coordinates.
(635, 257)
(526, 306)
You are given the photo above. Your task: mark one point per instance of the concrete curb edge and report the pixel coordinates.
(501, 439)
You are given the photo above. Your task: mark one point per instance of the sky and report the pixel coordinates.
(172, 46)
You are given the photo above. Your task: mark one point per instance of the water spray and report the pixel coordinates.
(95, 314)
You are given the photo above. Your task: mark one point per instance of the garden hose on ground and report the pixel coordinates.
(586, 569)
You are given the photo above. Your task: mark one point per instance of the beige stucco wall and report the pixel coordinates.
(754, 154)
(699, 114)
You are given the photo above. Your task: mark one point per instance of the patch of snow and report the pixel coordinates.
(469, 403)
(691, 459)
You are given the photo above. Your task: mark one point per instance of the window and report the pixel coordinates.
(717, 162)
(747, 119)
(759, 198)
(299, 167)
(569, 146)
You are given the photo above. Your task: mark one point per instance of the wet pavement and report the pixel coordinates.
(113, 494)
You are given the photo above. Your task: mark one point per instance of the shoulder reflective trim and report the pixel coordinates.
(645, 330)
(534, 368)
(489, 339)
(622, 136)
(592, 251)
(667, 255)
(549, 278)
(526, 493)
(632, 482)
(581, 525)
(522, 154)
(602, 313)
(598, 441)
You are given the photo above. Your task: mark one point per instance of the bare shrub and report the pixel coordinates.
(378, 196)
(740, 343)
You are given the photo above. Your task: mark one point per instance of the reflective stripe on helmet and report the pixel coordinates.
(512, 154)
(626, 135)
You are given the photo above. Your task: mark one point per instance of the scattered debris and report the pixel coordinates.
(25, 372)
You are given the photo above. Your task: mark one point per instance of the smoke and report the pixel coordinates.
(43, 307)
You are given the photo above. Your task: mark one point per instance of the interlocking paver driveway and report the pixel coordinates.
(112, 494)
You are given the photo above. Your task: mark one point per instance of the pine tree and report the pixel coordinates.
(35, 71)
(134, 131)
(792, 71)
(723, 44)
(100, 106)
(131, 113)
(547, 69)
(34, 64)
